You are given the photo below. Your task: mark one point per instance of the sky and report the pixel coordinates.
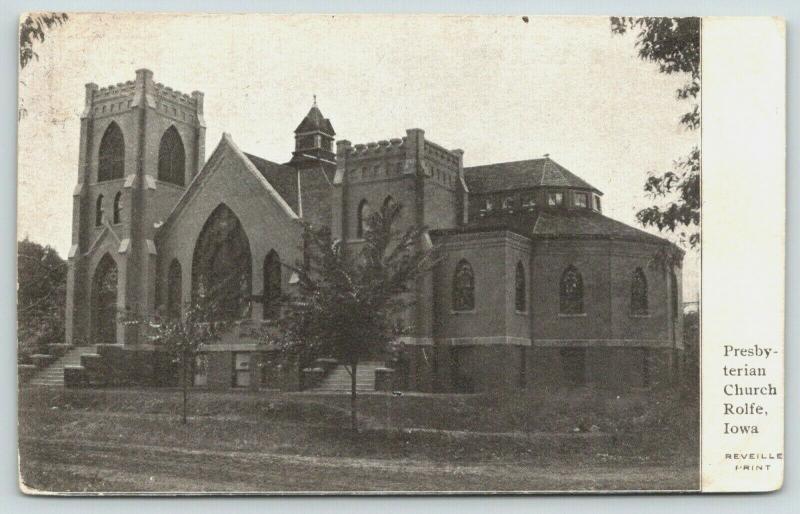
(499, 88)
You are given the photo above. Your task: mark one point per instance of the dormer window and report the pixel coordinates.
(317, 141)
(555, 199)
(597, 203)
(528, 201)
(581, 200)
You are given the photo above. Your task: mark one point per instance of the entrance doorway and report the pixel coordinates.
(104, 301)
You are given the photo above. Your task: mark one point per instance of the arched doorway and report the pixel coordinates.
(222, 267)
(104, 301)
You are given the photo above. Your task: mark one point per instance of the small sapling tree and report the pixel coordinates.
(350, 300)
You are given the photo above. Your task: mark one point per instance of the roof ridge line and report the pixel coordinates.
(505, 162)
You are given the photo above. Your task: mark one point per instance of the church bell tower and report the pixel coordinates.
(140, 145)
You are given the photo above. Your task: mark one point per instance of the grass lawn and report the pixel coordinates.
(127, 440)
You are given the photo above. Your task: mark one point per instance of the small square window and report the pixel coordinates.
(488, 205)
(528, 202)
(508, 203)
(555, 199)
(581, 200)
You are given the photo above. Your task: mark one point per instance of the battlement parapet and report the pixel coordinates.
(121, 89)
(173, 94)
(441, 155)
(144, 82)
(374, 149)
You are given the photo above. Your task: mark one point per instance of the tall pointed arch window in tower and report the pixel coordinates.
(222, 267)
(111, 159)
(272, 285)
(171, 158)
(571, 292)
(463, 287)
(639, 304)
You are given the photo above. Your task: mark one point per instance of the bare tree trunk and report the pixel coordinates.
(184, 390)
(353, 405)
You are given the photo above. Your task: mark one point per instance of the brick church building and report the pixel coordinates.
(535, 286)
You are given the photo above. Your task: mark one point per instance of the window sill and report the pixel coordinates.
(456, 313)
(563, 315)
(643, 315)
(521, 313)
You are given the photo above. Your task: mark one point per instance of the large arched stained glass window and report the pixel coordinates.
(639, 292)
(463, 287)
(171, 158)
(112, 154)
(520, 299)
(221, 267)
(571, 291)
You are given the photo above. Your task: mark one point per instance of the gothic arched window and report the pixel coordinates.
(571, 291)
(639, 292)
(98, 211)
(118, 208)
(673, 282)
(520, 300)
(174, 290)
(362, 218)
(463, 287)
(171, 158)
(389, 201)
(112, 154)
(272, 285)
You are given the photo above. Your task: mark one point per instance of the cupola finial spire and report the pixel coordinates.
(315, 100)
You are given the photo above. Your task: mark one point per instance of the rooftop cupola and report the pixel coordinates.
(314, 136)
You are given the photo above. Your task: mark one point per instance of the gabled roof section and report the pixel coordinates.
(213, 163)
(314, 122)
(282, 177)
(506, 176)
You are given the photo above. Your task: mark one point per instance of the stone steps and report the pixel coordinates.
(338, 380)
(53, 375)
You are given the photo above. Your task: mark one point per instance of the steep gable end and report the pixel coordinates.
(227, 148)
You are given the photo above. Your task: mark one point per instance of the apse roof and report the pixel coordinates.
(506, 176)
(557, 224)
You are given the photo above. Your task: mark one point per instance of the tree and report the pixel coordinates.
(673, 44)
(41, 290)
(350, 303)
(183, 337)
(33, 28)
